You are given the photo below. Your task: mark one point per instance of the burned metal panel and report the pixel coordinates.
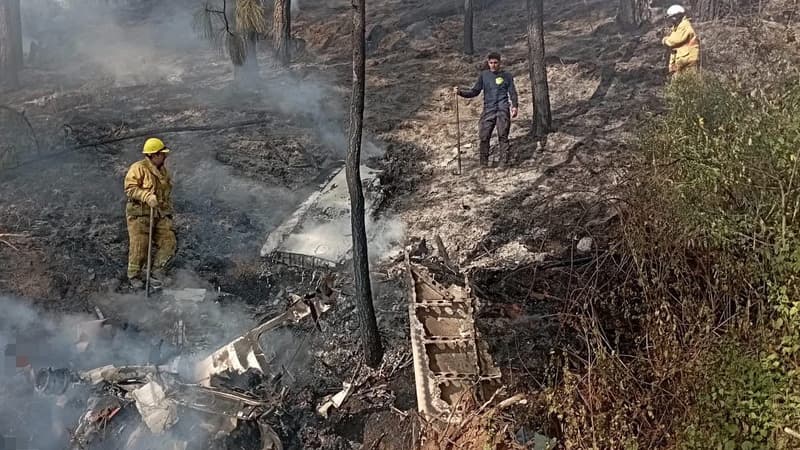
(245, 352)
(301, 261)
(317, 227)
(215, 401)
(160, 394)
(452, 367)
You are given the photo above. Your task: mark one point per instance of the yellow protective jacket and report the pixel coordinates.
(685, 46)
(143, 181)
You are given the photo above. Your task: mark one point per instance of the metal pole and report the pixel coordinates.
(458, 133)
(149, 255)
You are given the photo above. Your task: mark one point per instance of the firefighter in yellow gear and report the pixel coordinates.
(683, 41)
(148, 185)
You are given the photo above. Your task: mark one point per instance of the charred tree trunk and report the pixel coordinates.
(633, 13)
(469, 48)
(706, 9)
(16, 30)
(370, 338)
(542, 119)
(244, 56)
(280, 30)
(10, 43)
(250, 67)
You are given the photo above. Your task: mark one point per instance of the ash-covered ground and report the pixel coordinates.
(249, 154)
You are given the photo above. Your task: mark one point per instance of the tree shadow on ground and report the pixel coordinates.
(620, 85)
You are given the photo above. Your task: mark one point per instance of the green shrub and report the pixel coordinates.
(745, 404)
(731, 161)
(696, 343)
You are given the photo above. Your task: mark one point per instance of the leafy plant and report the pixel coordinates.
(697, 343)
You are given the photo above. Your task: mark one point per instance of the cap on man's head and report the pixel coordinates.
(493, 55)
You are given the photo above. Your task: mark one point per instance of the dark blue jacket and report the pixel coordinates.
(498, 88)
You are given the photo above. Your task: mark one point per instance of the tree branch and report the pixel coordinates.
(178, 129)
(142, 133)
(27, 122)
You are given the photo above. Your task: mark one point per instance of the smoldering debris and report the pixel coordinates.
(186, 402)
(245, 353)
(320, 226)
(335, 400)
(166, 405)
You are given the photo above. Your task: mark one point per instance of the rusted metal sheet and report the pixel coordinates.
(452, 367)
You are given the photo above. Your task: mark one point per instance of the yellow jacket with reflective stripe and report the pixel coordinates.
(685, 45)
(143, 181)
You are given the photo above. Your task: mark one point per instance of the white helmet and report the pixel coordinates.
(674, 10)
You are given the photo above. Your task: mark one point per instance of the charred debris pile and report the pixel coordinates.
(251, 391)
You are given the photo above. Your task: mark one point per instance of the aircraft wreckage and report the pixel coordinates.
(181, 402)
(184, 405)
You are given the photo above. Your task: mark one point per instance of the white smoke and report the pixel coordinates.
(34, 339)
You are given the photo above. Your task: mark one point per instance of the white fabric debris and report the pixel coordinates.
(335, 400)
(158, 412)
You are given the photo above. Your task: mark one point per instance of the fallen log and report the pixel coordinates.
(140, 134)
(165, 130)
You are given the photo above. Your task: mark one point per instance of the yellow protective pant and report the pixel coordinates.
(164, 243)
(686, 69)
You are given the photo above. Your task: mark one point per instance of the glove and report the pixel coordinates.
(152, 201)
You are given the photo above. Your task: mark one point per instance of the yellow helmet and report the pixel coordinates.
(153, 146)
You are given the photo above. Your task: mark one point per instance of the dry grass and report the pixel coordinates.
(250, 17)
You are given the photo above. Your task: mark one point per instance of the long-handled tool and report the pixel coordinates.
(458, 133)
(149, 255)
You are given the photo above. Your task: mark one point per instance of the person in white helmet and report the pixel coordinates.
(683, 41)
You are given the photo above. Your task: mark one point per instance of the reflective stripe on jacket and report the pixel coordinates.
(685, 45)
(143, 181)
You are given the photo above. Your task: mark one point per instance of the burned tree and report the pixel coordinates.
(15, 24)
(706, 9)
(235, 25)
(281, 30)
(370, 338)
(542, 120)
(469, 48)
(10, 43)
(633, 13)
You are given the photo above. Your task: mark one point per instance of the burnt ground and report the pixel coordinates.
(515, 230)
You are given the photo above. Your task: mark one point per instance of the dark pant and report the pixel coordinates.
(489, 120)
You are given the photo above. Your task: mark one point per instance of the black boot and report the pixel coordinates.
(483, 153)
(136, 283)
(506, 160)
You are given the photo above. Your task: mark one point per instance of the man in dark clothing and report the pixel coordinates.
(499, 107)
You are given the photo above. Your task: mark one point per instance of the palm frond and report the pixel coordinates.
(250, 17)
